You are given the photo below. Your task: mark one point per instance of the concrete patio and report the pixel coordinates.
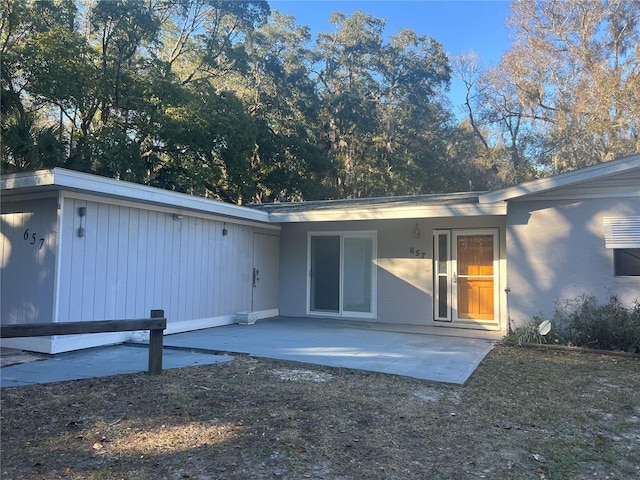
(428, 353)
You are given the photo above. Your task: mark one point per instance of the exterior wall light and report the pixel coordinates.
(176, 217)
(224, 230)
(416, 232)
(82, 212)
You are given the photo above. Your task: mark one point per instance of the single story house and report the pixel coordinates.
(78, 247)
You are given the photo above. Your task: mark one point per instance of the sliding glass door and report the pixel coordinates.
(342, 274)
(324, 273)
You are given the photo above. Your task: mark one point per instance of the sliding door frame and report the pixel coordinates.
(341, 312)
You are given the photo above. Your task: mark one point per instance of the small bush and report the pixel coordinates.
(613, 326)
(530, 333)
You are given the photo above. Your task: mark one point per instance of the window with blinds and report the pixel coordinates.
(622, 234)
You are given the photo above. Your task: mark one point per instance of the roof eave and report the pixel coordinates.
(388, 213)
(64, 179)
(575, 177)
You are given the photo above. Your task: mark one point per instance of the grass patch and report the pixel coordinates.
(523, 414)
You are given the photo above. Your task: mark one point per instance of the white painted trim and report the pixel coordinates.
(202, 323)
(485, 325)
(388, 213)
(168, 210)
(32, 344)
(436, 287)
(67, 343)
(27, 179)
(262, 314)
(341, 313)
(582, 175)
(199, 324)
(593, 194)
(57, 267)
(84, 182)
(497, 312)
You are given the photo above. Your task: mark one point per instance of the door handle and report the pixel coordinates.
(256, 277)
(454, 279)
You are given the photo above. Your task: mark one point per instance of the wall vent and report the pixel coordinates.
(622, 232)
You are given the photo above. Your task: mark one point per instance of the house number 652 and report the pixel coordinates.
(32, 238)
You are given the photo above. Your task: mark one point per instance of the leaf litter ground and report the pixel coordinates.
(523, 414)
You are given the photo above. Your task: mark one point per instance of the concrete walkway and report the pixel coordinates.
(98, 362)
(437, 354)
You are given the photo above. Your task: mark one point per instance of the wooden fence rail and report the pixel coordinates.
(156, 325)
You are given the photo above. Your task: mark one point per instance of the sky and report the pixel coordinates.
(461, 26)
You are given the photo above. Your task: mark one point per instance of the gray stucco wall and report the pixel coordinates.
(556, 252)
(28, 248)
(404, 280)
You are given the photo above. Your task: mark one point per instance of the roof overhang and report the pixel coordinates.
(440, 205)
(582, 175)
(59, 179)
(388, 208)
(389, 212)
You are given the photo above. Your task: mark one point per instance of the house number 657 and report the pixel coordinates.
(32, 238)
(416, 252)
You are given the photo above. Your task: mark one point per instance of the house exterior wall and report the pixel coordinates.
(404, 279)
(556, 252)
(131, 259)
(28, 246)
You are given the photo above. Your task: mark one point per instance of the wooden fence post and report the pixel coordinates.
(155, 346)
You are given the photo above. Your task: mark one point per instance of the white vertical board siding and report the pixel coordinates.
(266, 261)
(28, 245)
(132, 260)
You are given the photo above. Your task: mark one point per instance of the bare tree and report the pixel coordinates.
(575, 69)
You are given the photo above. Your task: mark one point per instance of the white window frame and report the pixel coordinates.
(437, 276)
(619, 273)
(367, 234)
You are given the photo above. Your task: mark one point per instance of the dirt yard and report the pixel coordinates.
(524, 414)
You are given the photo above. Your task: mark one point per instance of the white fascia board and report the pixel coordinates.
(389, 213)
(144, 193)
(595, 192)
(27, 179)
(96, 185)
(601, 170)
(168, 209)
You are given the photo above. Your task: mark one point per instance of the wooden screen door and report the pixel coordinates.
(474, 277)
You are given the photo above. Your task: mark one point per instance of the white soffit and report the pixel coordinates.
(622, 232)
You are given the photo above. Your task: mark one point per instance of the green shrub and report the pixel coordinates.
(530, 332)
(611, 326)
